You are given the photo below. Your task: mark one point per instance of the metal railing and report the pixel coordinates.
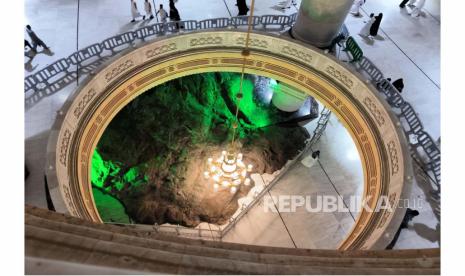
(65, 71)
(422, 145)
(317, 132)
(321, 126)
(176, 230)
(218, 234)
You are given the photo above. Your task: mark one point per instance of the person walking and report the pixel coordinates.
(398, 84)
(242, 7)
(355, 9)
(365, 31)
(409, 215)
(375, 26)
(27, 44)
(417, 9)
(287, 4)
(163, 14)
(36, 41)
(311, 160)
(134, 11)
(174, 14)
(148, 10)
(26, 52)
(404, 2)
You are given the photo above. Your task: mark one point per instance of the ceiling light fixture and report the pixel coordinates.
(229, 170)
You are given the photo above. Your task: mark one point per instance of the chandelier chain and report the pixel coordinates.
(245, 53)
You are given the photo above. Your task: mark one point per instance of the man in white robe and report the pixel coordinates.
(163, 14)
(410, 3)
(311, 160)
(148, 10)
(417, 9)
(365, 31)
(134, 11)
(355, 9)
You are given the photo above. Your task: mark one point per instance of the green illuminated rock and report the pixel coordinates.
(110, 208)
(150, 156)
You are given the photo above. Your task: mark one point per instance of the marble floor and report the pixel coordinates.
(338, 173)
(406, 47)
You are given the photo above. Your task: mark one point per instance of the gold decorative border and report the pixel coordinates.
(375, 132)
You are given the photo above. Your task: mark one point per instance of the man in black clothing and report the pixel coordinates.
(402, 4)
(242, 6)
(174, 14)
(27, 44)
(409, 215)
(36, 41)
(398, 84)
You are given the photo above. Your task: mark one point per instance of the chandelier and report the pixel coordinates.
(229, 170)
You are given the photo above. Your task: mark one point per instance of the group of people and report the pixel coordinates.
(371, 27)
(162, 13)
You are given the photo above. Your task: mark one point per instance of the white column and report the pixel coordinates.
(319, 21)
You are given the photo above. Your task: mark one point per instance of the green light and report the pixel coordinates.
(145, 149)
(257, 115)
(110, 208)
(99, 170)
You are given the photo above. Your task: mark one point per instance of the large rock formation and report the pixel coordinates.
(152, 155)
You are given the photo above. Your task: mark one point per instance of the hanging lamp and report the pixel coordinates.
(229, 171)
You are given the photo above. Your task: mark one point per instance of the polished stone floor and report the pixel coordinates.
(338, 173)
(406, 47)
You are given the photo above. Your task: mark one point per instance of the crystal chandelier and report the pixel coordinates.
(229, 170)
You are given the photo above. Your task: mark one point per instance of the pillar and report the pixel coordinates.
(288, 99)
(319, 21)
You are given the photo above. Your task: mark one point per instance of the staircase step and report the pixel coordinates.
(49, 244)
(209, 251)
(132, 230)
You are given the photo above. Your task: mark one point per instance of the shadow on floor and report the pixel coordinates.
(433, 235)
(428, 189)
(29, 67)
(279, 8)
(367, 40)
(127, 27)
(378, 37)
(35, 151)
(31, 54)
